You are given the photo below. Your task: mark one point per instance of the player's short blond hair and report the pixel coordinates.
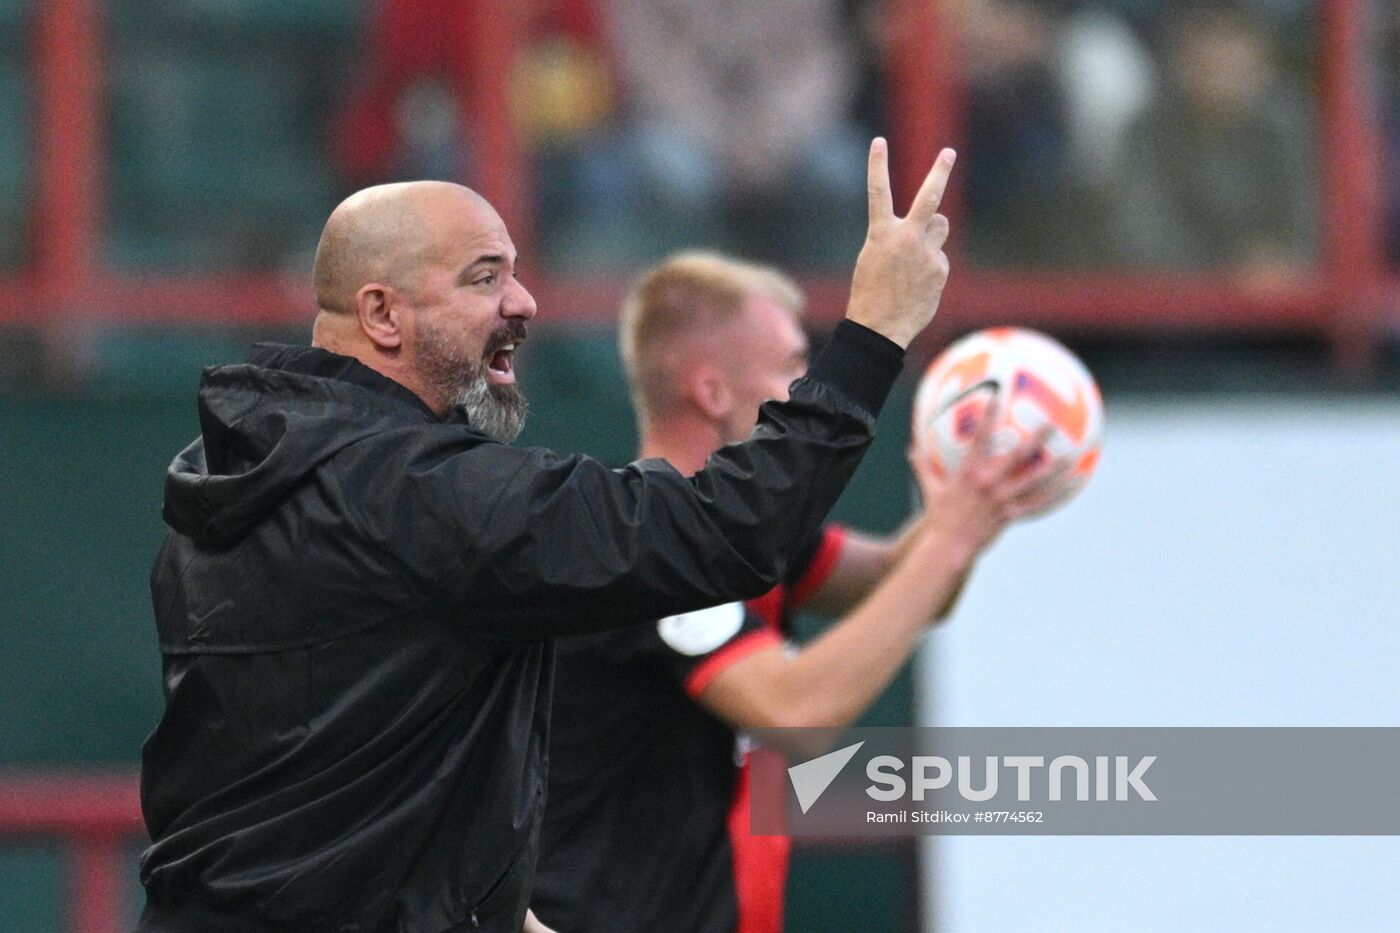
(687, 294)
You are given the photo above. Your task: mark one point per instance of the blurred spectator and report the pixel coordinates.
(738, 124)
(401, 120)
(407, 116)
(732, 126)
(404, 120)
(651, 123)
(1022, 204)
(566, 107)
(1108, 78)
(1217, 173)
(871, 29)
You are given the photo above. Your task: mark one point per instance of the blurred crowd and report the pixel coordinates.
(649, 123)
(1099, 133)
(1150, 135)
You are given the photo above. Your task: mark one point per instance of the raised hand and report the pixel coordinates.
(902, 269)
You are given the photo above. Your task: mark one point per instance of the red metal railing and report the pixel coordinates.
(68, 83)
(1342, 302)
(94, 818)
(1352, 192)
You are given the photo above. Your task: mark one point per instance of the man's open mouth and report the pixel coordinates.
(500, 353)
(501, 365)
(500, 360)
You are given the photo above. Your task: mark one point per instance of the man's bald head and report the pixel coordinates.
(387, 234)
(418, 282)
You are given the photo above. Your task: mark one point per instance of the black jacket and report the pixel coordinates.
(355, 603)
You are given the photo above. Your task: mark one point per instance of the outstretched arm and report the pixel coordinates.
(569, 546)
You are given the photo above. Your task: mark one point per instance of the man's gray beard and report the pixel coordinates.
(497, 411)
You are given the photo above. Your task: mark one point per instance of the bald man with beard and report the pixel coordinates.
(378, 236)
(362, 578)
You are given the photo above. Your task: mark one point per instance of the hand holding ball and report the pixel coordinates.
(1036, 382)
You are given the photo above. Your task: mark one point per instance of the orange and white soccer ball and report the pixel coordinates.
(1035, 380)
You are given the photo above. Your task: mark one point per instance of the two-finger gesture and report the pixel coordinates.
(902, 269)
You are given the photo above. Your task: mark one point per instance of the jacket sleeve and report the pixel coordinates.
(570, 546)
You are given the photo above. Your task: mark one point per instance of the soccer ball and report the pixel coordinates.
(1035, 380)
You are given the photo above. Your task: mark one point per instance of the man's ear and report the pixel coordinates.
(379, 316)
(708, 391)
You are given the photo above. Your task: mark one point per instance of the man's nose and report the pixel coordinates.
(519, 303)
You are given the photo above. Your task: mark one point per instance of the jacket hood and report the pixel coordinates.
(265, 426)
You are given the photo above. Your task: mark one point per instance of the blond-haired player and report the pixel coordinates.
(646, 816)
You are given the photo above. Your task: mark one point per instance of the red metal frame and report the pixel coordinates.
(925, 90)
(1352, 190)
(498, 154)
(94, 817)
(68, 151)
